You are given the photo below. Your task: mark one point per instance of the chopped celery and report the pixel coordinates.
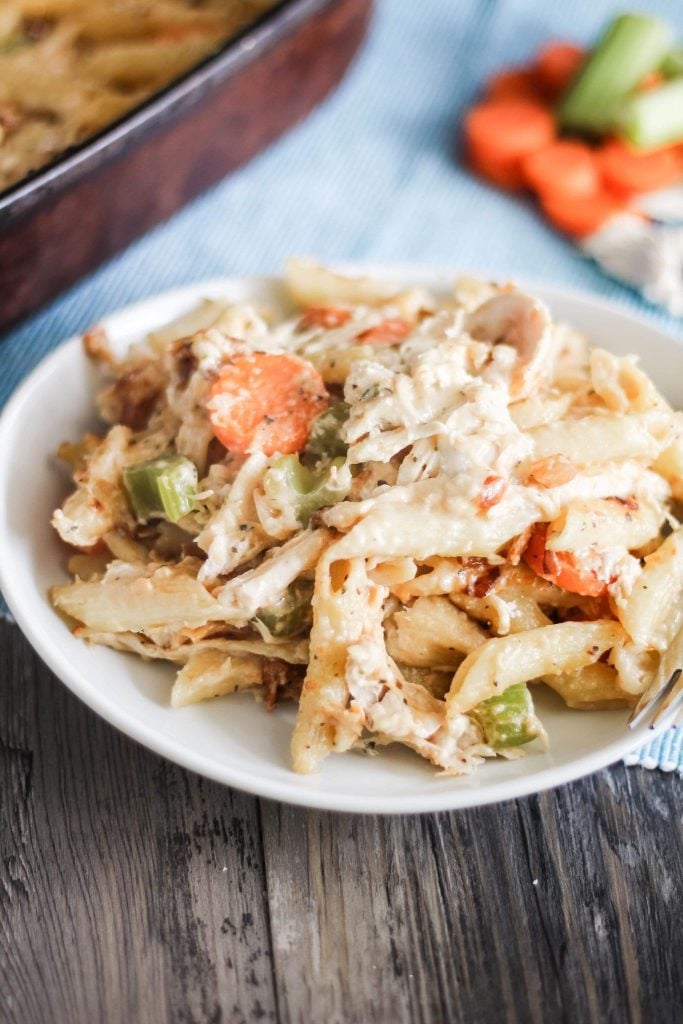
(13, 41)
(162, 488)
(292, 614)
(672, 65)
(653, 118)
(325, 438)
(288, 484)
(508, 720)
(632, 46)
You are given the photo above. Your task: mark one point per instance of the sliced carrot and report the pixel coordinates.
(388, 332)
(520, 82)
(581, 217)
(565, 170)
(555, 67)
(629, 170)
(561, 567)
(505, 130)
(502, 174)
(324, 316)
(266, 402)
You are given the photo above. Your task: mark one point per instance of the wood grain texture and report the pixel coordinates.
(133, 891)
(130, 890)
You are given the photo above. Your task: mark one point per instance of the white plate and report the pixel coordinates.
(233, 739)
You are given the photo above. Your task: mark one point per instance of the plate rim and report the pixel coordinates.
(300, 790)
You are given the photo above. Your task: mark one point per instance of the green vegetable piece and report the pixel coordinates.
(292, 614)
(287, 483)
(672, 65)
(653, 118)
(325, 438)
(11, 43)
(631, 47)
(508, 720)
(162, 488)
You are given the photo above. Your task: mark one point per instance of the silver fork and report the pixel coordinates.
(661, 700)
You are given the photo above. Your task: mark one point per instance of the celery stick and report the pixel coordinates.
(289, 485)
(292, 614)
(672, 65)
(162, 488)
(325, 438)
(508, 720)
(631, 47)
(653, 118)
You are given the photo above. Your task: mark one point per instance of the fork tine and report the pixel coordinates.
(673, 696)
(647, 699)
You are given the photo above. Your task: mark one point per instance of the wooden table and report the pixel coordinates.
(133, 891)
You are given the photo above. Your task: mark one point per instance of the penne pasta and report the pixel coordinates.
(211, 673)
(652, 613)
(396, 511)
(522, 657)
(341, 608)
(604, 523)
(591, 688)
(606, 438)
(432, 633)
(70, 67)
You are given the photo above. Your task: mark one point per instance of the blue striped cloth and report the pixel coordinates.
(370, 176)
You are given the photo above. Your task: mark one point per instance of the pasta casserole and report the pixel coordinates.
(70, 67)
(405, 512)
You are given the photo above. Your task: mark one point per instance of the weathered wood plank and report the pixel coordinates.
(130, 890)
(561, 907)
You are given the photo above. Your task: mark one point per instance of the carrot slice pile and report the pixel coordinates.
(556, 65)
(501, 132)
(561, 567)
(266, 402)
(511, 141)
(564, 170)
(627, 170)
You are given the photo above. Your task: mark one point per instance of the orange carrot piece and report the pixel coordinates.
(520, 82)
(565, 170)
(503, 174)
(629, 170)
(266, 402)
(507, 129)
(555, 67)
(323, 316)
(388, 332)
(581, 217)
(561, 567)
